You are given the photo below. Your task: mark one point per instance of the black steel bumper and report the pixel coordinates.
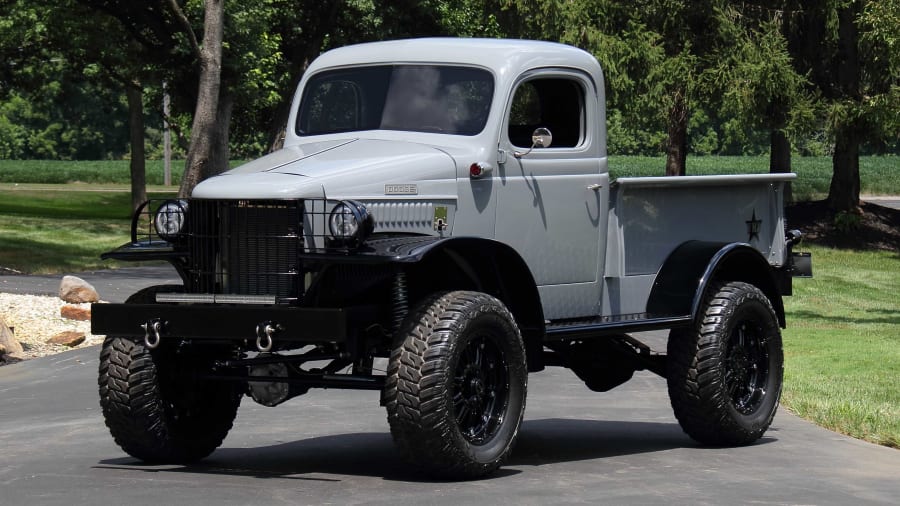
(231, 322)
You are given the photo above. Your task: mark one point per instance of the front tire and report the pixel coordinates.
(455, 391)
(155, 407)
(725, 376)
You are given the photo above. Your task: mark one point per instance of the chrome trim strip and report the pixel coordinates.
(209, 298)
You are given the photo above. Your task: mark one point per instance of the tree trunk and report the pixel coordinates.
(201, 161)
(221, 153)
(676, 149)
(134, 92)
(282, 111)
(780, 159)
(844, 192)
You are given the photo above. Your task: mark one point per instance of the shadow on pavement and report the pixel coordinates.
(541, 442)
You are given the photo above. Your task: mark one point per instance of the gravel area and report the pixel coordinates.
(36, 318)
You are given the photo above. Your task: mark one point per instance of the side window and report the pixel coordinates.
(553, 103)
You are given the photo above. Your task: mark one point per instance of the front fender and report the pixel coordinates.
(477, 263)
(687, 274)
(493, 266)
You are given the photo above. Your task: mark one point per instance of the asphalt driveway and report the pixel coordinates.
(113, 285)
(333, 446)
(576, 446)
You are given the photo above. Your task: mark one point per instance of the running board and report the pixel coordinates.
(564, 330)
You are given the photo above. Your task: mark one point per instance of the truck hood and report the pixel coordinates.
(357, 168)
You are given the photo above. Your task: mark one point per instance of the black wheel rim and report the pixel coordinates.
(480, 390)
(747, 367)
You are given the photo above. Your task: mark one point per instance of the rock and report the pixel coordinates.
(2, 350)
(76, 290)
(75, 313)
(68, 338)
(8, 340)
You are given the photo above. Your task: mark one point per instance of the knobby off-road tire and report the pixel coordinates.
(154, 407)
(725, 376)
(456, 384)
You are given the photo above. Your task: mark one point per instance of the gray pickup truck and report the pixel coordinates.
(439, 223)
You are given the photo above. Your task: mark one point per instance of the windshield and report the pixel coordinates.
(418, 98)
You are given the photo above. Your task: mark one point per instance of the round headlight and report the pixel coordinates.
(170, 219)
(350, 222)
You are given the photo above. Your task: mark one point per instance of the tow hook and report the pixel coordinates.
(152, 333)
(264, 333)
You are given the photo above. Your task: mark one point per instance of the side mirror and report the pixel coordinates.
(541, 138)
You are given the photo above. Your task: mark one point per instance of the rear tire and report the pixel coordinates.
(155, 407)
(455, 391)
(725, 376)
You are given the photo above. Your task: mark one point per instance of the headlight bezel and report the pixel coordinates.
(173, 211)
(349, 223)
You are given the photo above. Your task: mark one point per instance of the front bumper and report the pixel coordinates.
(230, 322)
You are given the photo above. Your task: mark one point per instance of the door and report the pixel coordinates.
(552, 201)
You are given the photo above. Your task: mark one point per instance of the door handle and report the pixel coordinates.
(594, 187)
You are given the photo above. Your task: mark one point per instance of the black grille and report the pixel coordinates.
(246, 247)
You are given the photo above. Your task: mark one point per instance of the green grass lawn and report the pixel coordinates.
(91, 171)
(842, 345)
(86, 171)
(40, 246)
(880, 175)
(47, 232)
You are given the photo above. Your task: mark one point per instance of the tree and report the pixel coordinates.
(78, 45)
(758, 83)
(209, 132)
(207, 72)
(229, 55)
(850, 48)
(694, 37)
(306, 30)
(653, 52)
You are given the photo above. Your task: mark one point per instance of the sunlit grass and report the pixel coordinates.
(47, 246)
(86, 171)
(58, 232)
(842, 345)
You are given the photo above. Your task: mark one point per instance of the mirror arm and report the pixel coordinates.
(519, 154)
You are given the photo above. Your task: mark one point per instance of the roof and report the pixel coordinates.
(503, 56)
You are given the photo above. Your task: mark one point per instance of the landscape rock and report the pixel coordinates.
(75, 290)
(68, 338)
(2, 350)
(75, 313)
(8, 341)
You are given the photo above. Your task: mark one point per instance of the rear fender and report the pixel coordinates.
(691, 269)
